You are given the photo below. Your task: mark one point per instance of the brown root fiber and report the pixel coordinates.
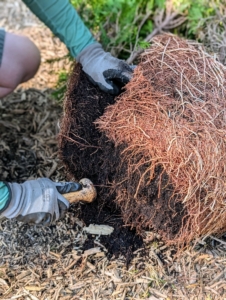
(87, 152)
(173, 115)
(158, 150)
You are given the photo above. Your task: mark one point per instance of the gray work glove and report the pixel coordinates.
(38, 201)
(104, 70)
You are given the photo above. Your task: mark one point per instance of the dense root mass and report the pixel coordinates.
(87, 152)
(173, 115)
(159, 150)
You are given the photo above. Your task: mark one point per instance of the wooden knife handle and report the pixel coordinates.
(87, 194)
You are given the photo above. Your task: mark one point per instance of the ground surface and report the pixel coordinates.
(50, 263)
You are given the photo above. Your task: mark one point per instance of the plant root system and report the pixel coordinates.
(173, 116)
(159, 150)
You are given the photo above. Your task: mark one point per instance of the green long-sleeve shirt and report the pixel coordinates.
(4, 195)
(63, 20)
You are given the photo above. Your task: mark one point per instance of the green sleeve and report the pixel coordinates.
(61, 17)
(4, 195)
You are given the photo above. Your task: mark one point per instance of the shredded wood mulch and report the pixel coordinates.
(50, 262)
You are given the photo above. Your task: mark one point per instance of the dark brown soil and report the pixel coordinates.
(87, 158)
(87, 152)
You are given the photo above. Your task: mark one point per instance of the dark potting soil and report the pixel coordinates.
(87, 152)
(86, 158)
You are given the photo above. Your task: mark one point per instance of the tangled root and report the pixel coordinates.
(172, 116)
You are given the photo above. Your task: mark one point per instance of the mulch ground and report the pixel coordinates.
(62, 261)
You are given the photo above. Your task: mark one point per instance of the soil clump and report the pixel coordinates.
(88, 152)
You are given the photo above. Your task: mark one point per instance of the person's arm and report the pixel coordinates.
(63, 20)
(4, 196)
(104, 70)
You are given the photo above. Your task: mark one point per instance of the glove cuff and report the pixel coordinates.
(15, 202)
(91, 50)
(9, 197)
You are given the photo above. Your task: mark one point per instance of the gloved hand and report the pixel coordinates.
(38, 201)
(104, 70)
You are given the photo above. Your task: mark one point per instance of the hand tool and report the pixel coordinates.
(87, 192)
